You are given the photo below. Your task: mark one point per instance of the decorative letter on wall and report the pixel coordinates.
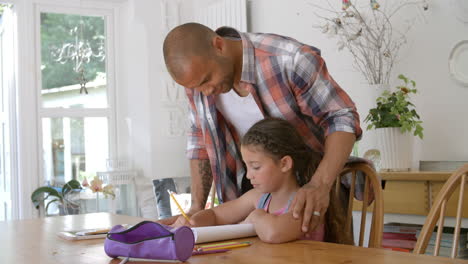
(177, 122)
(174, 105)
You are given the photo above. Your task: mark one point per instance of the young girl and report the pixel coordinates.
(278, 164)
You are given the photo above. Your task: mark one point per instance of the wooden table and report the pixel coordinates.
(35, 241)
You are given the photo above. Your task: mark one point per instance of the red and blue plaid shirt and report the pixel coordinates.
(287, 79)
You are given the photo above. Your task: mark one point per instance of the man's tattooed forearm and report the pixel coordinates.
(204, 169)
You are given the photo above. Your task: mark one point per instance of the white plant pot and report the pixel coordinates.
(396, 149)
(364, 96)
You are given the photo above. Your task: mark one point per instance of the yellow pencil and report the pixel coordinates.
(225, 247)
(223, 244)
(178, 205)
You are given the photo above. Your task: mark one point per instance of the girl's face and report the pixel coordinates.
(265, 173)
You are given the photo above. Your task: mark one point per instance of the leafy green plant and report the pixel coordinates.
(394, 109)
(43, 193)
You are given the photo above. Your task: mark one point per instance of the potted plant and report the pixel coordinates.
(59, 196)
(397, 121)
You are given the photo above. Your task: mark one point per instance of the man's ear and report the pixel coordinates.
(286, 163)
(218, 44)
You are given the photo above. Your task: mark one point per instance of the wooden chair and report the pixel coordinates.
(372, 184)
(437, 213)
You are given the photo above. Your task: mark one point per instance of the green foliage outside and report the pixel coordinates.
(394, 109)
(3, 7)
(57, 30)
(2, 10)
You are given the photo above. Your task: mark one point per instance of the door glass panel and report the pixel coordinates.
(73, 61)
(73, 147)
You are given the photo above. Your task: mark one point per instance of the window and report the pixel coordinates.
(72, 146)
(75, 95)
(73, 61)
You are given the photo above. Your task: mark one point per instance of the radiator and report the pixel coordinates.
(232, 13)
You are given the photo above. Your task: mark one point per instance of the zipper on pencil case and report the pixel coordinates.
(136, 226)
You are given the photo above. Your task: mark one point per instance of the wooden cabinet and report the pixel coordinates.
(414, 192)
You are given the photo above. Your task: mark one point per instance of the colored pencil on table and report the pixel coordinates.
(216, 245)
(196, 252)
(93, 232)
(224, 244)
(225, 247)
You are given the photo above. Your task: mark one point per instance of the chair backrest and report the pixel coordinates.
(437, 213)
(372, 189)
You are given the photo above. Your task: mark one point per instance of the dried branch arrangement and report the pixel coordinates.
(366, 30)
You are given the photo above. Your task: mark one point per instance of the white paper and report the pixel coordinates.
(222, 232)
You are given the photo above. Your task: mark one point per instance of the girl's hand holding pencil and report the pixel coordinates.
(202, 218)
(178, 205)
(185, 221)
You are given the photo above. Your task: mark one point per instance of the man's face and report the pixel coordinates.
(210, 76)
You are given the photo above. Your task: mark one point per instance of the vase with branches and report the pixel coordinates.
(367, 32)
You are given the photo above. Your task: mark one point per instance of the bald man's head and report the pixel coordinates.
(183, 42)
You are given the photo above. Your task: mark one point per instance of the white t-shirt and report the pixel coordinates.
(241, 112)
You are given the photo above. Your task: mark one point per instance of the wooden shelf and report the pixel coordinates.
(415, 176)
(413, 192)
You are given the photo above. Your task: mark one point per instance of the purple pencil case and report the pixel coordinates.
(150, 240)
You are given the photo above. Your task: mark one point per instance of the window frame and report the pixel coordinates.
(8, 121)
(108, 112)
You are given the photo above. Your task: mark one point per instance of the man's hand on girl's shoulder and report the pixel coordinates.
(312, 201)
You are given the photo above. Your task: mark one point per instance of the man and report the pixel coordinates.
(234, 79)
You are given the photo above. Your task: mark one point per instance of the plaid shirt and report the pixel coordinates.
(287, 79)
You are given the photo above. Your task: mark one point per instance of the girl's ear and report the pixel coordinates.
(286, 163)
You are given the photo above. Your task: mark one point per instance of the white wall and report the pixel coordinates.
(145, 105)
(150, 120)
(149, 103)
(441, 102)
